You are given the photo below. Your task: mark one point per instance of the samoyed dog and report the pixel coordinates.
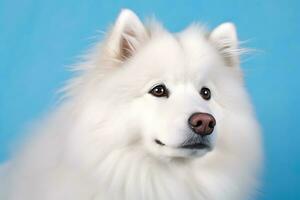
(151, 116)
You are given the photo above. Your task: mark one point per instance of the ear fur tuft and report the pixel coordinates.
(127, 35)
(224, 37)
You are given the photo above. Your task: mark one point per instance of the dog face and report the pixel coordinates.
(178, 109)
(177, 88)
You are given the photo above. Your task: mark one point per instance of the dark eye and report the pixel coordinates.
(205, 93)
(159, 91)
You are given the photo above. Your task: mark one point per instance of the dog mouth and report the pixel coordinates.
(159, 142)
(196, 145)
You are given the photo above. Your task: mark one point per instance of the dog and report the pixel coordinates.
(151, 115)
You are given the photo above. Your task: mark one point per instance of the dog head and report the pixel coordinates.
(172, 94)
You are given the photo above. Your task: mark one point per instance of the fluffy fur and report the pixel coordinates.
(99, 144)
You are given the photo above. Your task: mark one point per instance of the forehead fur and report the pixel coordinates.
(179, 55)
(198, 50)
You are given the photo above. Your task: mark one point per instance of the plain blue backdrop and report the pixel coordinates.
(38, 39)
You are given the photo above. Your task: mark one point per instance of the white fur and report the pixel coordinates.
(99, 143)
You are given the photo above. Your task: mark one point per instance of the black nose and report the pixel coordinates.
(202, 123)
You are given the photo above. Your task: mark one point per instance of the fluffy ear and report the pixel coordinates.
(127, 36)
(225, 39)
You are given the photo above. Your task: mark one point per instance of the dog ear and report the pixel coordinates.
(127, 35)
(224, 37)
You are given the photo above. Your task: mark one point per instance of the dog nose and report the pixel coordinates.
(202, 123)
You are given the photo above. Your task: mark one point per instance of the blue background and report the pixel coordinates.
(38, 39)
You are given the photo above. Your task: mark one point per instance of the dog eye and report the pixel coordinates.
(205, 93)
(159, 91)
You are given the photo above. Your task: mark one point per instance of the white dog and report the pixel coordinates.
(151, 116)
